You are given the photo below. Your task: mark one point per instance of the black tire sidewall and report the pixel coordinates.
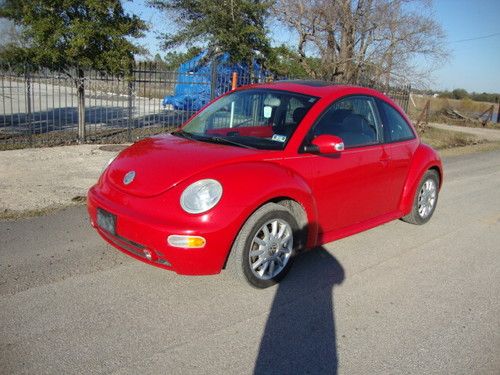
(429, 175)
(282, 214)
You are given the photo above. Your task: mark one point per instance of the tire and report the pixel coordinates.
(425, 199)
(262, 258)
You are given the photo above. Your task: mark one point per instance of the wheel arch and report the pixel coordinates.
(439, 172)
(425, 159)
(307, 222)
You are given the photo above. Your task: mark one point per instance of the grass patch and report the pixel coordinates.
(441, 139)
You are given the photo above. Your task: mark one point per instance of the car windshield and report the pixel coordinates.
(255, 118)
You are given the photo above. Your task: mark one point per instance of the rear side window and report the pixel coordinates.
(395, 126)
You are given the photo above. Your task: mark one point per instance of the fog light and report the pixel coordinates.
(148, 254)
(190, 242)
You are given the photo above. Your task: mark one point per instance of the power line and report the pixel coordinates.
(476, 38)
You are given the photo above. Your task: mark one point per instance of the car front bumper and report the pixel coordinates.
(142, 229)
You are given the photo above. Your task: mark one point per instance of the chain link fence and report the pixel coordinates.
(41, 108)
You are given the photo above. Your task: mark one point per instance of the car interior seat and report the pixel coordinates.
(332, 122)
(357, 131)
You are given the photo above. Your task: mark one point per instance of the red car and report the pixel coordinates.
(262, 173)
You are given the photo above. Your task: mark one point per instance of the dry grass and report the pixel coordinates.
(469, 149)
(452, 143)
(438, 106)
(444, 139)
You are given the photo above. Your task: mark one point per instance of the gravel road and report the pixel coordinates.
(398, 299)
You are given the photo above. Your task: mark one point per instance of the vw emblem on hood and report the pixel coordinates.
(129, 177)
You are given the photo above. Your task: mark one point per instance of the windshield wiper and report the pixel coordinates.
(199, 137)
(183, 134)
(228, 141)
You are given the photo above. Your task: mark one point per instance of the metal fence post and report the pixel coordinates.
(498, 113)
(28, 104)
(130, 93)
(81, 106)
(213, 79)
(407, 97)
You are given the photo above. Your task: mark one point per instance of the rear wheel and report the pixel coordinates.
(425, 199)
(263, 251)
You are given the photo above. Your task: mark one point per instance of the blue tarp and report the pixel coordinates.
(194, 81)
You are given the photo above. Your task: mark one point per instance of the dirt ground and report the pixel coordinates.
(39, 179)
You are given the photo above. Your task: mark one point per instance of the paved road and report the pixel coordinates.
(483, 133)
(398, 299)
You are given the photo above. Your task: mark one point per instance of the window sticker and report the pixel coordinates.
(279, 138)
(268, 111)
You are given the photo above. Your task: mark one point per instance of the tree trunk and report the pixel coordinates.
(81, 106)
(347, 42)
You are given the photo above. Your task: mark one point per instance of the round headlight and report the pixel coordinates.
(201, 196)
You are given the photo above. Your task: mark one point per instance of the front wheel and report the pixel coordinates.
(425, 200)
(263, 251)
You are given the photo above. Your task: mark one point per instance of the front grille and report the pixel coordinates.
(128, 245)
(132, 247)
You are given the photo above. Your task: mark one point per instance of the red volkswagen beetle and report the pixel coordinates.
(262, 173)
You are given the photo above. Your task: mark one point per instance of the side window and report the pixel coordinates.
(246, 111)
(395, 126)
(290, 114)
(353, 119)
(295, 110)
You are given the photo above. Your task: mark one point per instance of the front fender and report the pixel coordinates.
(423, 159)
(249, 185)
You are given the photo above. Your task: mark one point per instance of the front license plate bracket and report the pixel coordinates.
(106, 221)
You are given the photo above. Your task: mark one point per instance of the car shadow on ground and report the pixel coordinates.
(300, 337)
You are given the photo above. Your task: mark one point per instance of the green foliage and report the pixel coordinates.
(233, 26)
(485, 97)
(65, 34)
(460, 94)
(463, 94)
(174, 59)
(285, 62)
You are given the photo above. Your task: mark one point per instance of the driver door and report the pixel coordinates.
(350, 186)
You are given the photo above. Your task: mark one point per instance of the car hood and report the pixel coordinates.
(159, 163)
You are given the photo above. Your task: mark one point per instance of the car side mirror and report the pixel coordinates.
(325, 144)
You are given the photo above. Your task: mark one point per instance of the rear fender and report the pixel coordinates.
(424, 159)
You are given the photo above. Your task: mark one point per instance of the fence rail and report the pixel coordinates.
(41, 108)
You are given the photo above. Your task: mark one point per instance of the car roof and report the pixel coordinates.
(313, 87)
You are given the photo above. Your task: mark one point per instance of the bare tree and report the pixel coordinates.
(354, 40)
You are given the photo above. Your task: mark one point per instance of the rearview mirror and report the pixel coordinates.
(325, 144)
